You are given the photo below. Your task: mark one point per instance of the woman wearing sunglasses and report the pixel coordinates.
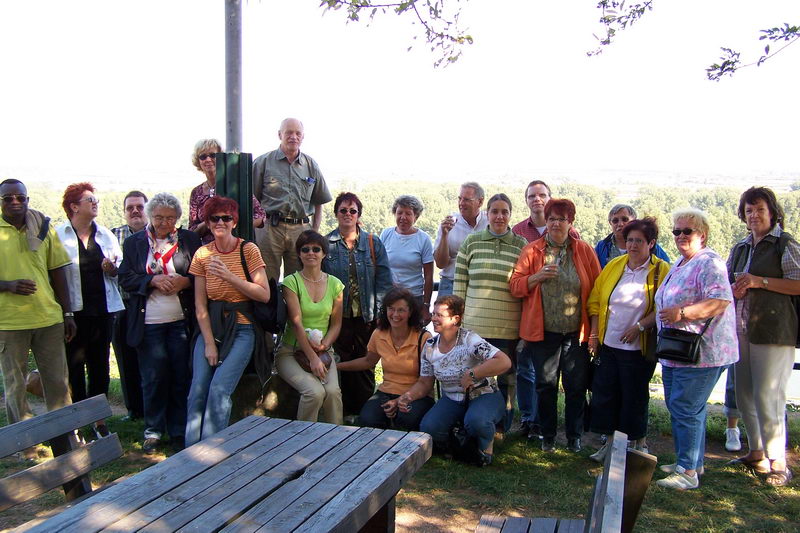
(694, 291)
(93, 291)
(204, 160)
(229, 334)
(764, 269)
(155, 272)
(313, 302)
(359, 260)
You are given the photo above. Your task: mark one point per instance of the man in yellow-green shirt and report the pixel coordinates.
(33, 309)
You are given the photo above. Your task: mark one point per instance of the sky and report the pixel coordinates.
(119, 91)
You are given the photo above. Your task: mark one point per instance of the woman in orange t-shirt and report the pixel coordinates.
(223, 305)
(396, 344)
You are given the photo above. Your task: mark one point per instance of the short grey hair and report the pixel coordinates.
(477, 188)
(619, 207)
(697, 217)
(409, 201)
(163, 199)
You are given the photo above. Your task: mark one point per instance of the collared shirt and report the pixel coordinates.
(289, 189)
(790, 264)
(528, 231)
(456, 237)
(627, 304)
(122, 232)
(40, 309)
(400, 364)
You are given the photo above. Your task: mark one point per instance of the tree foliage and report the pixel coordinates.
(438, 20)
(616, 16)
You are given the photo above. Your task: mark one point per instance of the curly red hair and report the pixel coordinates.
(220, 204)
(560, 206)
(72, 195)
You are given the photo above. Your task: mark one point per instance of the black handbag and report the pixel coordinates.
(271, 316)
(680, 345)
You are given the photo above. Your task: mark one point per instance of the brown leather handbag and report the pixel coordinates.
(302, 359)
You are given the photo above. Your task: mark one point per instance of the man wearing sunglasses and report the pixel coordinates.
(614, 245)
(127, 360)
(292, 190)
(34, 309)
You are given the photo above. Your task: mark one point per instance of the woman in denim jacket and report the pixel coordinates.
(359, 260)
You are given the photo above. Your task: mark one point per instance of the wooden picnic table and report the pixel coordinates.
(265, 474)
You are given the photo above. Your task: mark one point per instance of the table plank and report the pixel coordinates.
(198, 487)
(109, 506)
(516, 524)
(543, 525)
(299, 499)
(571, 526)
(273, 472)
(490, 524)
(370, 491)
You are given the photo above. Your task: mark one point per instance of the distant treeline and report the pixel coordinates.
(440, 199)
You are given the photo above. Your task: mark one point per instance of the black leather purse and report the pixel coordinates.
(271, 316)
(680, 345)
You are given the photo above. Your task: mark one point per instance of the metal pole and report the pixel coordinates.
(233, 75)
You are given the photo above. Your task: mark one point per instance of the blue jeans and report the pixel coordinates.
(686, 390)
(445, 287)
(164, 369)
(373, 416)
(507, 382)
(209, 407)
(480, 418)
(527, 399)
(730, 409)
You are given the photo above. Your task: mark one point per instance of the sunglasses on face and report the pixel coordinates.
(21, 198)
(217, 218)
(203, 157)
(685, 231)
(344, 211)
(617, 220)
(307, 249)
(90, 199)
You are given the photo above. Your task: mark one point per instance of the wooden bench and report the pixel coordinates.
(72, 460)
(615, 503)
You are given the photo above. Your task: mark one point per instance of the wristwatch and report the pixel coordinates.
(765, 281)
(640, 326)
(472, 375)
(69, 314)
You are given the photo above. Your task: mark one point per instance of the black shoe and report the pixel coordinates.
(548, 444)
(574, 444)
(101, 430)
(535, 432)
(177, 444)
(149, 445)
(485, 459)
(524, 428)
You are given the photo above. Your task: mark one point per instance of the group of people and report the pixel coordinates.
(518, 309)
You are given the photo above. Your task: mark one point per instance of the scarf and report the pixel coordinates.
(162, 254)
(561, 248)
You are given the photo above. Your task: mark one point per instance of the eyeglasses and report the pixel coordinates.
(344, 211)
(685, 231)
(132, 208)
(560, 220)
(217, 218)
(307, 249)
(90, 199)
(21, 198)
(203, 157)
(632, 240)
(465, 199)
(617, 220)
(171, 220)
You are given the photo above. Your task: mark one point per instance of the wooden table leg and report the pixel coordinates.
(383, 520)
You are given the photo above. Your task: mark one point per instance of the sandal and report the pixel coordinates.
(779, 478)
(760, 466)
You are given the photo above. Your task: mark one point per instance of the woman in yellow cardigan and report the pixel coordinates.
(622, 313)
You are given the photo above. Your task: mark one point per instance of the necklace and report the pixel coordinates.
(321, 275)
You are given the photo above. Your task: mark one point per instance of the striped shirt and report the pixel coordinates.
(483, 269)
(216, 287)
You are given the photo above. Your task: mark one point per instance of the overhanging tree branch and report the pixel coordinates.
(730, 61)
(442, 32)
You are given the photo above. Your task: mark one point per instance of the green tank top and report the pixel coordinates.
(316, 315)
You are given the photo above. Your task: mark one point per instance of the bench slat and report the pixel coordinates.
(28, 484)
(515, 524)
(106, 508)
(373, 488)
(292, 504)
(490, 524)
(544, 525)
(44, 427)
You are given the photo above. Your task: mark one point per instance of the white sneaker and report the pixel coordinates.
(670, 469)
(732, 440)
(600, 455)
(679, 480)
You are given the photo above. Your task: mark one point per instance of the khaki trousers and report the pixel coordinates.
(277, 244)
(314, 395)
(47, 345)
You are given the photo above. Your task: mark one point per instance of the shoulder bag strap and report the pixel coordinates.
(244, 261)
(372, 249)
